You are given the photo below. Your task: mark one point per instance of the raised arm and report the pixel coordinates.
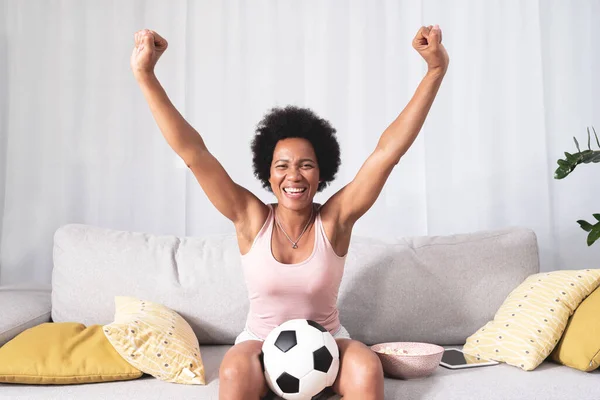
(354, 199)
(232, 200)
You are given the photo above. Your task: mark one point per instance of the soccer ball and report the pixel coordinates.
(300, 359)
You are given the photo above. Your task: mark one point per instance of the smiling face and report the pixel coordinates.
(294, 173)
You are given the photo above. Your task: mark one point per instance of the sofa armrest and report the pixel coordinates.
(23, 307)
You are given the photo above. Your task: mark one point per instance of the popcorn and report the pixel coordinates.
(397, 352)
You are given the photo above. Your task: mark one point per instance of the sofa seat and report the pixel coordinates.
(499, 382)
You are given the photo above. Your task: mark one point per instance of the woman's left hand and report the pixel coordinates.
(428, 43)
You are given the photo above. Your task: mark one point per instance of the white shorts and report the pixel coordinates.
(246, 334)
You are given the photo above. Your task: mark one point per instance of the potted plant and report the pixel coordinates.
(566, 166)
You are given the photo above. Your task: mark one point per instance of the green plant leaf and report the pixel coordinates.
(588, 155)
(597, 141)
(586, 226)
(563, 163)
(594, 235)
(597, 216)
(576, 144)
(562, 172)
(570, 157)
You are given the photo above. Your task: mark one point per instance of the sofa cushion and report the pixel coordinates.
(199, 278)
(549, 381)
(579, 346)
(22, 307)
(156, 340)
(533, 317)
(62, 353)
(436, 289)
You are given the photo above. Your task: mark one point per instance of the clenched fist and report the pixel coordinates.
(149, 46)
(428, 43)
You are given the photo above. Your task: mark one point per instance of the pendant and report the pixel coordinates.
(294, 246)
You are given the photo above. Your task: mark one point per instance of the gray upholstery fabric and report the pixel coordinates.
(500, 382)
(200, 278)
(433, 289)
(22, 307)
(437, 289)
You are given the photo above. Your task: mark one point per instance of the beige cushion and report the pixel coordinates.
(156, 340)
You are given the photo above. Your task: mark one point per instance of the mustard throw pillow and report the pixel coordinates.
(61, 353)
(531, 320)
(156, 340)
(579, 346)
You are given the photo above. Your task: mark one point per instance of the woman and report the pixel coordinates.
(293, 251)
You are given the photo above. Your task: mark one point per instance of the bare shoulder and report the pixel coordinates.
(248, 227)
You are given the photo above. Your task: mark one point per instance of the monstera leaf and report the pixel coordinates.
(566, 166)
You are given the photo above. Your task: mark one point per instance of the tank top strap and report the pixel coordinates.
(265, 231)
(322, 242)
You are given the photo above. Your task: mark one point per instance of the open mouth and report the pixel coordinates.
(294, 192)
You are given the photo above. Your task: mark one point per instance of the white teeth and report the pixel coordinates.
(294, 190)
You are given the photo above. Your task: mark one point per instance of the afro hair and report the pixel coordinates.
(295, 122)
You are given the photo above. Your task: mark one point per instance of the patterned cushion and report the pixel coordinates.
(156, 340)
(533, 317)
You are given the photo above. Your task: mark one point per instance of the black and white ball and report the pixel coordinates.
(301, 359)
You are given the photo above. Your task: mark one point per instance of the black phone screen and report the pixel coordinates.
(454, 357)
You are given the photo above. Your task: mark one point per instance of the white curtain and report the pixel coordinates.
(79, 145)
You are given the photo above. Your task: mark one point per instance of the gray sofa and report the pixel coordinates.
(431, 289)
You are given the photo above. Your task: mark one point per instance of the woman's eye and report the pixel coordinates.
(307, 166)
(280, 166)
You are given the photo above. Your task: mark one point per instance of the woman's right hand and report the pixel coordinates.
(149, 46)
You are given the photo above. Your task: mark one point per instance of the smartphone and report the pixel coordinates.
(457, 359)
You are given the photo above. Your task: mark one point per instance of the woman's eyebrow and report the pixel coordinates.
(302, 160)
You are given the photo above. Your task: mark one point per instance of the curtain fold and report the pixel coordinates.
(3, 114)
(78, 143)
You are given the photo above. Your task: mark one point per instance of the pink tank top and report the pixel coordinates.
(280, 292)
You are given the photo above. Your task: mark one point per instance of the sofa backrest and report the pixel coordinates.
(436, 289)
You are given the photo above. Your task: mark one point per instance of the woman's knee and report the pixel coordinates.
(241, 367)
(235, 370)
(366, 371)
(372, 371)
(239, 362)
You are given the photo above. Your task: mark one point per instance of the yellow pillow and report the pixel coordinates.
(533, 317)
(156, 340)
(60, 353)
(579, 346)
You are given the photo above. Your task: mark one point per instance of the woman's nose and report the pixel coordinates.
(294, 173)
